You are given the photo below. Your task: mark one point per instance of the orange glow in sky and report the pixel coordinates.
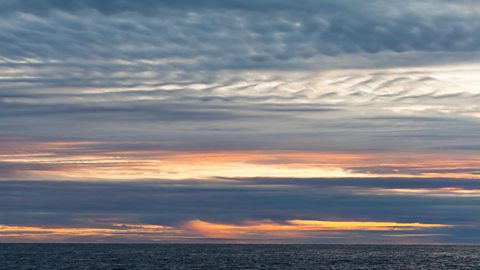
(220, 230)
(81, 160)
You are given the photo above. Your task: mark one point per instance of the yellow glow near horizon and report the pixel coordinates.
(197, 228)
(296, 227)
(127, 231)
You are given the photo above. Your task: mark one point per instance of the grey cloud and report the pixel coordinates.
(171, 203)
(191, 34)
(142, 111)
(387, 183)
(473, 170)
(239, 111)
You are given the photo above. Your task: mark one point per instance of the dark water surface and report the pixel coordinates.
(127, 256)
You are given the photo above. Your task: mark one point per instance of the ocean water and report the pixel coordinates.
(153, 256)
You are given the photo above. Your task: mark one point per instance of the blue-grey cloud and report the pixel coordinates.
(249, 34)
(71, 203)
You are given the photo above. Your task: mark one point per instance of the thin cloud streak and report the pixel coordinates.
(295, 228)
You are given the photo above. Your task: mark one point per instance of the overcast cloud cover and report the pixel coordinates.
(260, 110)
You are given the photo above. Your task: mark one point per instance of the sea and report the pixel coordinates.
(217, 256)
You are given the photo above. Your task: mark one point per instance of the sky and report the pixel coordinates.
(240, 121)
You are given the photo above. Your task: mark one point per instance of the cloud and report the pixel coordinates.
(128, 160)
(218, 91)
(324, 209)
(197, 230)
(286, 35)
(297, 227)
(119, 232)
(348, 111)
